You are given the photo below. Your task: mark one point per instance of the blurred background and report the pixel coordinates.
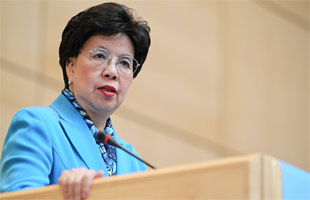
(222, 78)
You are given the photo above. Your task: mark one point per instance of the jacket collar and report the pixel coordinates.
(78, 133)
(66, 110)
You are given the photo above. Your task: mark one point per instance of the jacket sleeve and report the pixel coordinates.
(26, 160)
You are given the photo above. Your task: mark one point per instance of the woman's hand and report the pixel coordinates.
(75, 183)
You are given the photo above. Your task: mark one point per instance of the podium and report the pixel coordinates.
(245, 177)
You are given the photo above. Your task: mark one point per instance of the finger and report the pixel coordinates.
(77, 183)
(62, 180)
(69, 185)
(88, 181)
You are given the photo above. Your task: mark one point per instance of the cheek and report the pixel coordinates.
(85, 75)
(125, 84)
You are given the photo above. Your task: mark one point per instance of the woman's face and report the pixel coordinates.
(100, 91)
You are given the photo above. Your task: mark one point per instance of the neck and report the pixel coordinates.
(99, 121)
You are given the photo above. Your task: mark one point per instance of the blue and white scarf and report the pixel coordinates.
(108, 152)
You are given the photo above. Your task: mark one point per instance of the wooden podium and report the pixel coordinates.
(246, 177)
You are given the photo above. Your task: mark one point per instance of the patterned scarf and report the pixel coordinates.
(108, 152)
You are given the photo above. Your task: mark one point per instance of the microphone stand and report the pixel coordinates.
(106, 138)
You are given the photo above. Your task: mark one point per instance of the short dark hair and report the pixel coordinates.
(104, 19)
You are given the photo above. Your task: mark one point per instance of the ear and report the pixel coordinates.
(70, 68)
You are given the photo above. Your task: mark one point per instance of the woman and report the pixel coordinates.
(102, 49)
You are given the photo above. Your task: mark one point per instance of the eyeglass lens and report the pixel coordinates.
(102, 57)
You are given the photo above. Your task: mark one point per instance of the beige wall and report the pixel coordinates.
(222, 78)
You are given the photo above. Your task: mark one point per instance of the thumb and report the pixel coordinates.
(99, 174)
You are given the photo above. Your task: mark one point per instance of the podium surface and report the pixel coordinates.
(246, 177)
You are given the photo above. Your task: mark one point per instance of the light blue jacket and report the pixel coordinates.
(43, 141)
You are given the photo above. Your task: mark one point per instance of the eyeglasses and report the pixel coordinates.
(101, 57)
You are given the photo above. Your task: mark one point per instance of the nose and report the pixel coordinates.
(110, 70)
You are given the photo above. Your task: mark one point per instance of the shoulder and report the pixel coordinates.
(132, 164)
(123, 143)
(35, 114)
(27, 154)
(36, 111)
(32, 120)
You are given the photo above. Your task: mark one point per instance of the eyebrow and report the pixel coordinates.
(102, 47)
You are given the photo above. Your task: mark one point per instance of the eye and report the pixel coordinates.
(99, 56)
(125, 63)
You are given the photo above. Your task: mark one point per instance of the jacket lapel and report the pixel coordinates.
(79, 134)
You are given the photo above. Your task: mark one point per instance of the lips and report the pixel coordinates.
(107, 90)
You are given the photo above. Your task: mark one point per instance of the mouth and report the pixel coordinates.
(108, 90)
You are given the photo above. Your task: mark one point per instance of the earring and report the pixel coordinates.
(69, 82)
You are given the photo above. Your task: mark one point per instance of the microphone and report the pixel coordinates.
(106, 138)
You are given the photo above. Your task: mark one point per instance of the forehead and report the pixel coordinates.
(119, 44)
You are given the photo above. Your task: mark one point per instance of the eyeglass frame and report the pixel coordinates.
(112, 59)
